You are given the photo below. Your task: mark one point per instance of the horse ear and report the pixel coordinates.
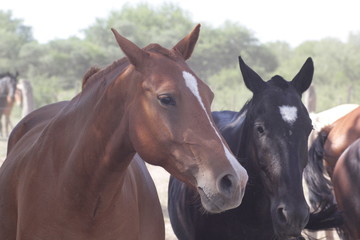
(186, 46)
(135, 54)
(251, 79)
(303, 79)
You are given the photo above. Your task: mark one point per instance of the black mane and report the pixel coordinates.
(279, 82)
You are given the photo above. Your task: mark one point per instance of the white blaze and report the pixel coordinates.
(288, 113)
(192, 84)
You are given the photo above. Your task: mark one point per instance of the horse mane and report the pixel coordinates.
(96, 72)
(88, 74)
(4, 74)
(319, 187)
(7, 74)
(245, 107)
(154, 47)
(279, 82)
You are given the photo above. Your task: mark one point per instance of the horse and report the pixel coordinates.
(73, 168)
(319, 121)
(8, 84)
(346, 182)
(269, 137)
(18, 99)
(324, 152)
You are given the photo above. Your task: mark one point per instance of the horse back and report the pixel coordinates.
(38, 118)
(343, 132)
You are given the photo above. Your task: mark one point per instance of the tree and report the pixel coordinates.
(141, 24)
(14, 34)
(220, 47)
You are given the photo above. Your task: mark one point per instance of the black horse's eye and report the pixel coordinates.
(260, 129)
(166, 100)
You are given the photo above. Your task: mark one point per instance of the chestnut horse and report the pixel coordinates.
(346, 181)
(269, 137)
(319, 121)
(331, 142)
(325, 151)
(73, 169)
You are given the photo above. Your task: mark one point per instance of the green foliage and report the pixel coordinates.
(219, 48)
(13, 35)
(229, 88)
(55, 69)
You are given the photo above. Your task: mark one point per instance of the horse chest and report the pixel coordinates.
(251, 220)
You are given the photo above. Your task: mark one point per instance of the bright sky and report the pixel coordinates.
(293, 21)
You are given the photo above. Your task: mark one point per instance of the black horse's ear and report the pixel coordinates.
(303, 79)
(251, 79)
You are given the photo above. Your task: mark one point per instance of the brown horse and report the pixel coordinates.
(70, 174)
(325, 151)
(346, 181)
(340, 135)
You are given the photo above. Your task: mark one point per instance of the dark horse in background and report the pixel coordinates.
(8, 84)
(346, 181)
(269, 137)
(331, 145)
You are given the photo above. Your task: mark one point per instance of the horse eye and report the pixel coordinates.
(166, 100)
(260, 129)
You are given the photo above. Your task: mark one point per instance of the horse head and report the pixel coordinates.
(278, 126)
(170, 122)
(8, 83)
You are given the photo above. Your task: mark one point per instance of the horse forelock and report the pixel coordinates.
(154, 47)
(279, 82)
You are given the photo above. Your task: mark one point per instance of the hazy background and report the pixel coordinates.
(53, 43)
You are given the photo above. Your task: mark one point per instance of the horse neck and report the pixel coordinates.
(96, 148)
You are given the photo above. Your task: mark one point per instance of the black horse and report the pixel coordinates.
(8, 84)
(269, 137)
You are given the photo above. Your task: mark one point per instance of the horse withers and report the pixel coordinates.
(73, 170)
(269, 137)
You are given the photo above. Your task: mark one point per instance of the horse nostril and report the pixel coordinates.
(226, 184)
(281, 212)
